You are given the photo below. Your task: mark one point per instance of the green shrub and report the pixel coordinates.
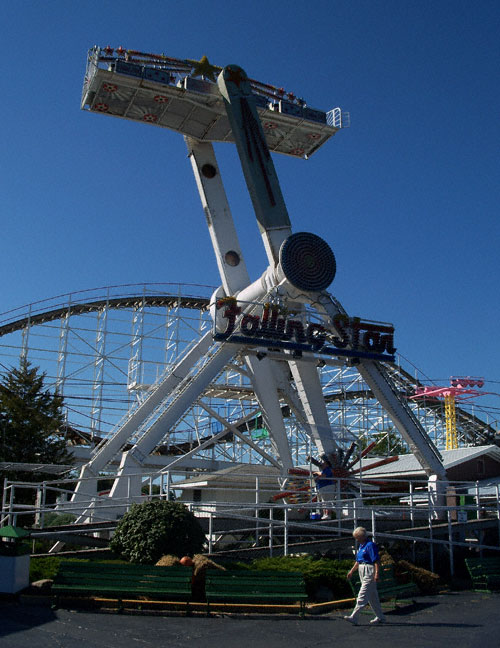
(322, 572)
(58, 519)
(46, 567)
(317, 572)
(153, 529)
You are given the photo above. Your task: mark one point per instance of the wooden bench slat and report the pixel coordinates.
(246, 586)
(484, 572)
(123, 579)
(387, 586)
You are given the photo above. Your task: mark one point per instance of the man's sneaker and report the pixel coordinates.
(377, 620)
(351, 620)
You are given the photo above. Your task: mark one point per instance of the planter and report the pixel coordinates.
(14, 573)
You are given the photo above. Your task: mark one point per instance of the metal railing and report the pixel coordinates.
(251, 521)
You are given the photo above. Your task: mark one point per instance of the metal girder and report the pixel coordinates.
(310, 393)
(232, 267)
(403, 418)
(386, 392)
(182, 398)
(267, 395)
(257, 164)
(108, 448)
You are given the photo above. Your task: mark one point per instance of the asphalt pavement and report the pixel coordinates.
(461, 620)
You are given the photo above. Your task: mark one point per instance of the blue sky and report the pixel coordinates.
(408, 197)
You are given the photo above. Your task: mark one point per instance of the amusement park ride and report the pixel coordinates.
(276, 331)
(460, 389)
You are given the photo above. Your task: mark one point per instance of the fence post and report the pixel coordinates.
(412, 519)
(498, 511)
(44, 500)
(285, 539)
(210, 531)
(168, 485)
(478, 504)
(12, 519)
(4, 494)
(271, 528)
(450, 543)
(38, 506)
(373, 524)
(256, 512)
(431, 538)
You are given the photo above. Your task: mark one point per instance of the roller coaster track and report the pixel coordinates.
(133, 301)
(474, 428)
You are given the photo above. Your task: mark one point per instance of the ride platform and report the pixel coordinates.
(167, 92)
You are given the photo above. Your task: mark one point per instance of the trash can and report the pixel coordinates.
(14, 559)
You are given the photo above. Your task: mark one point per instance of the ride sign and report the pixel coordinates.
(348, 336)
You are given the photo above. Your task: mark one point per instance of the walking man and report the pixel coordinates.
(368, 564)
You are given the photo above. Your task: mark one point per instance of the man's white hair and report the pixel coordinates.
(359, 531)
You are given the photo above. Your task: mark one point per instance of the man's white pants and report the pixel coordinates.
(368, 591)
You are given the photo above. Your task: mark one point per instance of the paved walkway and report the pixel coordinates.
(459, 620)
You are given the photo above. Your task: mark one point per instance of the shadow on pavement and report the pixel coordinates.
(412, 608)
(15, 617)
(430, 625)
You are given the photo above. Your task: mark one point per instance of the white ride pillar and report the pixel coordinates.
(386, 392)
(185, 396)
(273, 221)
(235, 278)
(311, 395)
(232, 267)
(256, 161)
(265, 389)
(105, 452)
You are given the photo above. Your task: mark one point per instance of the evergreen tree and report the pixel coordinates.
(31, 423)
(389, 443)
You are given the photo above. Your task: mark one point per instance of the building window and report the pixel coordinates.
(197, 495)
(481, 470)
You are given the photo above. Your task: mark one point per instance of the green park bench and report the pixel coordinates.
(484, 572)
(245, 586)
(388, 588)
(122, 581)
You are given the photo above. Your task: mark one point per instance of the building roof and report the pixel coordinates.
(488, 487)
(55, 469)
(242, 476)
(409, 466)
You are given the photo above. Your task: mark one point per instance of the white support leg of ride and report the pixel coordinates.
(105, 452)
(310, 391)
(290, 395)
(232, 267)
(403, 418)
(187, 395)
(235, 279)
(234, 429)
(256, 161)
(265, 388)
(398, 410)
